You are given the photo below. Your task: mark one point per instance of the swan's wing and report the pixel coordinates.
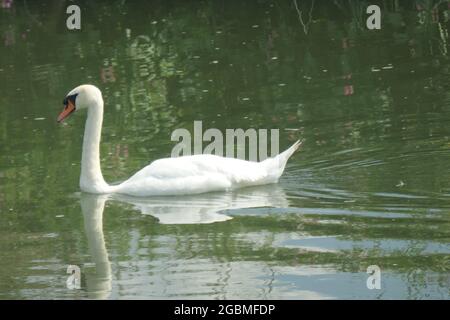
(203, 173)
(197, 165)
(194, 174)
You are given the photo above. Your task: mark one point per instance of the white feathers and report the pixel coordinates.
(203, 173)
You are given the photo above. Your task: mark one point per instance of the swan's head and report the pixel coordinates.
(82, 97)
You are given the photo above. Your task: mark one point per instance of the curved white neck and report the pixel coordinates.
(91, 179)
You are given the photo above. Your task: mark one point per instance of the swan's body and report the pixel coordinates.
(170, 176)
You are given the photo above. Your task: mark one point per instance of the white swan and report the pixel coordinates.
(170, 176)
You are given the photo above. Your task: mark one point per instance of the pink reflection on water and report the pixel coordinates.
(6, 4)
(348, 90)
(107, 74)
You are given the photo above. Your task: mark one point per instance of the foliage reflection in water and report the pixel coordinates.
(371, 185)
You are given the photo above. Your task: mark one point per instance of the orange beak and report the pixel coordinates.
(68, 109)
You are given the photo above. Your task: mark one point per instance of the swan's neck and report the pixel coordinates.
(91, 179)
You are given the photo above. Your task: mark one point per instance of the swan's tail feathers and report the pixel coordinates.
(275, 166)
(284, 156)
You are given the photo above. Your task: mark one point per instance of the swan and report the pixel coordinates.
(169, 176)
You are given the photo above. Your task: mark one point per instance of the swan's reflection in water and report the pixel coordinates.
(99, 283)
(198, 209)
(207, 207)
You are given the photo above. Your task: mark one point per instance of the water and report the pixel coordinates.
(370, 186)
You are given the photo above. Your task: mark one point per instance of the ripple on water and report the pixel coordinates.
(386, 246)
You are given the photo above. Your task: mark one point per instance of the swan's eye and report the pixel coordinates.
(71, 99)
(69, 107)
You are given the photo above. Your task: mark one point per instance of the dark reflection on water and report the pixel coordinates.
(370, 186)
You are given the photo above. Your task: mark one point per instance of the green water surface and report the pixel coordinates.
(371, 185)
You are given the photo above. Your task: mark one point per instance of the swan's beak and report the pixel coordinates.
(68, 109)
